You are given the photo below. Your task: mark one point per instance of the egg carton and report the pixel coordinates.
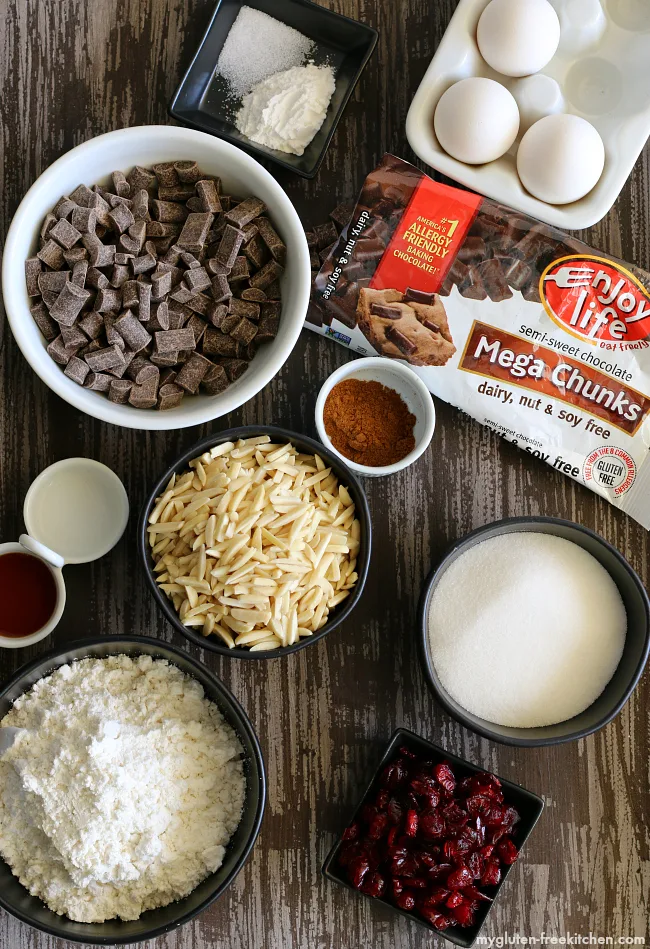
(601, 71)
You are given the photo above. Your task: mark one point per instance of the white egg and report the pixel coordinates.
(476, 120)
(560, 159)
(518, 37)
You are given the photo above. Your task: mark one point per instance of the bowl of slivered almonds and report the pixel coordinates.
(256, 542)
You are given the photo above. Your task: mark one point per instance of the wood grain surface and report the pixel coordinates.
(71, 69)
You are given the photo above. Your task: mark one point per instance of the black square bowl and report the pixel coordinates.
(529, 806)
(202, 100)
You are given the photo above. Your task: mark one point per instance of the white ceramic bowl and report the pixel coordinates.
(92, 163)
(395, 375)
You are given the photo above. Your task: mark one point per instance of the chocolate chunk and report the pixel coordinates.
(178, 192)
(82, 195)
(388, 312)
(84, 220)
(33, 268)
(140, 369)
(168, 359)
(130, 294)
(168, 212)
(229, 322)
(198, 327)
(57, 350)
(252, 295)
(48, 224)
(208, 196)
(170, 396)
(244, 332)
(196, 279)
(101, 209)
(108, 300)
(195, 230)
(119, 391)
(199, 303)
(95, 278)
(158, 229)
(140, 178)
(187, 171)
(144, 302)
(215, 380)
(517, 272)
(419, 296)
(240, 270)
(98, 381)
(244, 308)
(267, 275)
(182, 294)
(100, 255)
(221, 290)
(531, 291)
(234, 368)
(274, 292)
(121, 218)
(216, 269)
(160, 318)
(341, 215)
(132, 331)
(143, 264)
(73, 338)
(494, 280)
(74, 255)
(92, 324)
(245, 212)
(48, 327)
(473, 287)
(145, 395)
(169, 341)
(217, 315)
(161, 285)
(315, 261)
(63, 208)
(268, 328)
(130, 246)
(324, 254)
(273, 241)
(79, 272)
(118, 371)
(51, 255)
(378, 230)
(192, 373)
(369, 249)
(120, 184)
(104, 359)
(216, 343)
(140, 207)
(77, 370)
(405, 345)
(325, 234)
(228, 250)
(65, 234)
(69, 304)
(119, 275)
(256, 252)
(166, 174)
(474, 250)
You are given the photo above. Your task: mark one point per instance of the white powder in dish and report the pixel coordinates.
(258, 46)
(286, 110)
(526, 629)
(124, 791)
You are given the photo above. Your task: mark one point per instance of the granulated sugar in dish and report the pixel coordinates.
(122, 791)
(526, 629)
(258, 46)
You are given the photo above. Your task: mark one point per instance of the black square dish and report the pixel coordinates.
(528, 805)
(202, 102)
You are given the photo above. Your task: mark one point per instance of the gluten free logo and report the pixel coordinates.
(610, 468)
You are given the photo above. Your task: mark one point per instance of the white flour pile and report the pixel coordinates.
(286, 110)
(526, 629)
(123, 793)
(257, 46)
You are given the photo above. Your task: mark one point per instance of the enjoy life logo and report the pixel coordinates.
(597, 301)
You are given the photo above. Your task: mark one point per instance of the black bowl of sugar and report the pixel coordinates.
(534, 631)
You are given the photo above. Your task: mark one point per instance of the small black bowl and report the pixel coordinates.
(529, 806)
(306, 445)
(202, 102)
(635, 652)
(156, 922)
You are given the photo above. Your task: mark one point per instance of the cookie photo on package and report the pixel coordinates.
(529, 330)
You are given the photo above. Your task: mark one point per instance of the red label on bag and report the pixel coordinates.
(597, 301)
(431, 232)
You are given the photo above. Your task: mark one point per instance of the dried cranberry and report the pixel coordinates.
(437, 895)
(431, 825)
(423, 785)
(397, 887)
(478, 804)
(507, 851)
(445, 776)
(454, 814)
(417, 883)
(390, 840)
(394, 774)
(403, 864)
(357, 869)
(382, 799)
(373, 884)
(351, 832)
(475, 865)
(510, 817)
(411, 828)
(347, 852)
(487, 851)
(405, 901)
(441, 872)
(439, 920)
(458, 878)
(491, 874)
(464, 913)
(495, 816)
(454, 899)
(394, 810)
(368, 813)
(378, 827)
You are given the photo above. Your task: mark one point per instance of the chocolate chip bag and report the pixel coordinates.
(528, 330)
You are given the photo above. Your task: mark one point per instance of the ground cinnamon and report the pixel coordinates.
(369, 423)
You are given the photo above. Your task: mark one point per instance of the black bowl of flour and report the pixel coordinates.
(29, 909)
(635, 649)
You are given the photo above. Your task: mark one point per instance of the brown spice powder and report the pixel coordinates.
(369, 423)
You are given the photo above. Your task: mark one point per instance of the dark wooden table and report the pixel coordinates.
(71, 70)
